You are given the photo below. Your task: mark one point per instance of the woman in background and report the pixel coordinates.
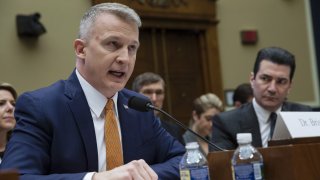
(8, 96)
(204, 108)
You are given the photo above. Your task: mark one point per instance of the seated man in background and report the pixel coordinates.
(271, 81)
(152, 85)
(82, 128)
(242, 95)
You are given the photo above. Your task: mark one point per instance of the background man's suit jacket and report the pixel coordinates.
(55, 135)
(226, 125)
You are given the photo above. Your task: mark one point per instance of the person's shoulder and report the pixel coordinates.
(292, 106)
(237, 112)
(48, 91)
(52, 95)
(69, 86)
(129, 93)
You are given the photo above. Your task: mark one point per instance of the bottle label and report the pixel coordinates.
(200, 173)
(247, 171)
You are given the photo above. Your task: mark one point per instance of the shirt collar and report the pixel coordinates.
(95, 99)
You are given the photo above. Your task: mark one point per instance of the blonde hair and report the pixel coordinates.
(205, 102)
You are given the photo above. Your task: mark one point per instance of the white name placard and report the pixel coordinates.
(297, 125)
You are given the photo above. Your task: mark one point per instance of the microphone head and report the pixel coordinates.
(139, 103)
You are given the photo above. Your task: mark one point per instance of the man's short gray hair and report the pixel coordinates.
(119, 10)
(145, 79)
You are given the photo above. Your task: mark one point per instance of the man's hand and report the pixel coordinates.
(134, 170)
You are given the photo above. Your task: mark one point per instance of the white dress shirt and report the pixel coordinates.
(264, 123)
(97, 103)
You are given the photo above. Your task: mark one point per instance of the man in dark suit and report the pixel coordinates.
(271, 82)
(152, 85)
(60, 129)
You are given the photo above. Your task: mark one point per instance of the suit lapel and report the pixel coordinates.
(129, 130)
(82, 115)
(250, 124)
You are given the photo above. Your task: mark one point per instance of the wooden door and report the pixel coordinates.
(176, 56)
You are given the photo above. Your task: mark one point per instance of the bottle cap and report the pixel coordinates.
(192, 145)
(244, 138)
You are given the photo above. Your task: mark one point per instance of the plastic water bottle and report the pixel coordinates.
(247, 162)
(193, 165)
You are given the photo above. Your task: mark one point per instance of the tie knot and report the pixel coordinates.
(109, 105)
(273, 116)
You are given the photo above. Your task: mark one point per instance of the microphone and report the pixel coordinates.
(145, 105)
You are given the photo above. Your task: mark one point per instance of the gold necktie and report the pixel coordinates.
(112, 138)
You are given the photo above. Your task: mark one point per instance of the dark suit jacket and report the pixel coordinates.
(55, 139)
(173, 129)
(226, 125)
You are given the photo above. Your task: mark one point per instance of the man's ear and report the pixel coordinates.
(251, 79)
(79, 48)
(194, 116)
(290, 86)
